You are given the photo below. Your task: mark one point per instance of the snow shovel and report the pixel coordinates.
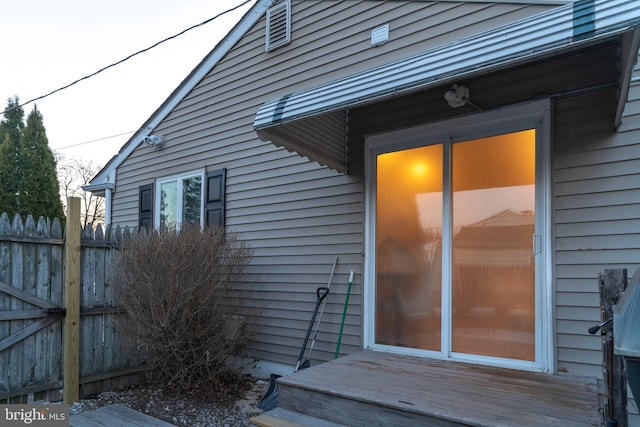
(321, 294)
(270, 399)
(315, 334)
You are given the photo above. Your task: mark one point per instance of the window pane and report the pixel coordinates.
(409, 248)
(493, 269)
(168, 204)
(192, 200)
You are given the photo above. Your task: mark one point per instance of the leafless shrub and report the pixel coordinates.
(184, 308)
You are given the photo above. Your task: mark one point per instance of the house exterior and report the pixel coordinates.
(474, 162)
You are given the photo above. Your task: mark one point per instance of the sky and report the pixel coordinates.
(46, 45)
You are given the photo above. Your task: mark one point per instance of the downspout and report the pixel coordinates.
(107, 207)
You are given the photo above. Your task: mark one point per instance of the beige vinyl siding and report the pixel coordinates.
(296, 215)
(597, 225)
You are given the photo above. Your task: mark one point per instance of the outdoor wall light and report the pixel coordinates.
(154, 141)
(458, 96)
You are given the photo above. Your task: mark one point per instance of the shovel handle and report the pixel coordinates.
(322, 293)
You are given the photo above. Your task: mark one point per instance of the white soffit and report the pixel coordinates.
(554, 31)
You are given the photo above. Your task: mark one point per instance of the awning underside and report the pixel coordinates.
(321, 138)
(313, 122)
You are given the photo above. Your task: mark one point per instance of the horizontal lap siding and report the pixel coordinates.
(296, 214)
(597, 226)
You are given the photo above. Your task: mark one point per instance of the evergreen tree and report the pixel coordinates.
(11, 128)
(28, 177)
(40, 194)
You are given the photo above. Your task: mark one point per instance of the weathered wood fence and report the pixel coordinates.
(32, 311)
(611, 284)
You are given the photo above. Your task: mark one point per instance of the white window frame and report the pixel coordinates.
(531, 115)
(179, 178)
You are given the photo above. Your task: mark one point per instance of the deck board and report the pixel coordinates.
(115, 416)
(454, 392)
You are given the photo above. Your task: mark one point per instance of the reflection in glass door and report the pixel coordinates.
(409, 248)
(490, 266)
(493, 269)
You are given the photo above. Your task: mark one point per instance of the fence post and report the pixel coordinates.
(71, 378)
(612, 284)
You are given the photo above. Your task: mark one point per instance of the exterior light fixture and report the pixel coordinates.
(154, 141)
(458, 96)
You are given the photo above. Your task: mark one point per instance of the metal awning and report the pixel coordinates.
(313, 123)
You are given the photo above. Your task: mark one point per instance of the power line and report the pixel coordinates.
(127, 58)
(94, 140)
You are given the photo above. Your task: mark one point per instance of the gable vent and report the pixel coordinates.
(278, 25)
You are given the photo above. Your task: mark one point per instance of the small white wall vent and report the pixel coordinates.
(380, 35)
(278, 25)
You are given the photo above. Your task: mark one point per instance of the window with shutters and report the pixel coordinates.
(278, 25)
(179, 200)
(196, 197)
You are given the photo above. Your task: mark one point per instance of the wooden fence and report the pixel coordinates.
(33, 357)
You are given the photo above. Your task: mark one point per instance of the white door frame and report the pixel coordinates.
(530, 115)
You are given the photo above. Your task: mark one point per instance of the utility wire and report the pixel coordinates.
(127, 58)
(94, 140)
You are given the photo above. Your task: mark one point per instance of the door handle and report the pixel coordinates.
(536, 244)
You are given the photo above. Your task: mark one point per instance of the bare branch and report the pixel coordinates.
(185, 301)
(73, 173)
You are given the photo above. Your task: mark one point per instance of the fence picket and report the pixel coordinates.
(5, 224)
(15, 374)
(43, 291)
(29, 267)
(54, 334)
(5, 301)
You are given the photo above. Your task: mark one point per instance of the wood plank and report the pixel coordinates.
(55, 332)
(43, 291)
(5, 304)
(279, 417)
(84, 420)
(25, 296)
(116, 415)
(15, 377)
(25, 332)
(29, 267)
(450, 392)
(87, 300)
(22, 314)
(72, 302)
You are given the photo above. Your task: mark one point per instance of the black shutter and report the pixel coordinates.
(214, 203)
(145, 206)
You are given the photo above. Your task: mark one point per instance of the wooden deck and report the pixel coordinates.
(373, 388)
(115, 416)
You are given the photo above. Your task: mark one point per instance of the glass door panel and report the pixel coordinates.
(493, 266)
(409, 248)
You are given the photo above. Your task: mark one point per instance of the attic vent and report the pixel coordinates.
(278, 25)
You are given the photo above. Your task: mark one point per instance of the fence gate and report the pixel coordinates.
(31, 291)
(45, 311)
(32, 266)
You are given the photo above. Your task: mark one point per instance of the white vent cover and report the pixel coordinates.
(278, 25)
(380, 35)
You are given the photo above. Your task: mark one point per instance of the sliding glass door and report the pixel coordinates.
(456, 245)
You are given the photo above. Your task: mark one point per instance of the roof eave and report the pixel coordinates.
(630, 57)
